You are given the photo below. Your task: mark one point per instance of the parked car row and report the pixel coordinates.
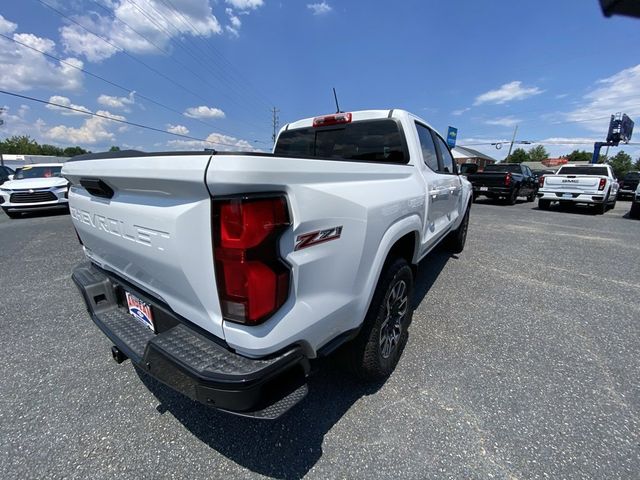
(593, 185)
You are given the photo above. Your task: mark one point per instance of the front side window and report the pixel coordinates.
(429, 154)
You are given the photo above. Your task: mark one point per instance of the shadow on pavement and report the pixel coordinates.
(291, 445)
(284, 448)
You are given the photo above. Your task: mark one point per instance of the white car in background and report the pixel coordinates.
(34, 187)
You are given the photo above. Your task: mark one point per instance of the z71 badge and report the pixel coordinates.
(319, 236)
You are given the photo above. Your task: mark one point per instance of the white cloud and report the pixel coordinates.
(179, 129)
(506, 93)
(93, 130)
(203, 112)
(117, 102)
(66, 102)
(178, 18)
(245, 4)
(214, 140)
(460, 111)
(23, 69)
(509, 121)
(319, 8)
(7, 27)
(232, 31)
(617, 93)
(235, 21)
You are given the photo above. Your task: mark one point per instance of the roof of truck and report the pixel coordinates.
(359, 115)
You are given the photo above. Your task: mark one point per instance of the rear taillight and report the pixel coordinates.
(541, 181)
(507, 179)
(252, 279)
(603, 182)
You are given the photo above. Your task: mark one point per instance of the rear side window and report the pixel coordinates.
(429, 154)
(447, 159)
(601, 171)
(370, 140)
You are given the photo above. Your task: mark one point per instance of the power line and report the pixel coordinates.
(183, 45)
(107, 117)
(249, 87)
(121, 87)
(122, 50)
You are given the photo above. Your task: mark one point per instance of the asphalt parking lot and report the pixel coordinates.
(523, 362)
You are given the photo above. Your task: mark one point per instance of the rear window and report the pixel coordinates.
(632, 176)
(371, 140)
(506, 167)
(600, 171)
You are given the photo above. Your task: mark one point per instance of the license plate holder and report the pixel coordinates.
(567, 195)
(140, 310)
(484, 189)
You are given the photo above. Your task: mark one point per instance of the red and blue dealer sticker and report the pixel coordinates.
(140, 310)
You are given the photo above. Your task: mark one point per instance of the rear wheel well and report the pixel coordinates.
(404, 248)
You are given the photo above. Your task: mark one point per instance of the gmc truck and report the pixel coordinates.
(505, 180)
(593, 185)
(225, 275)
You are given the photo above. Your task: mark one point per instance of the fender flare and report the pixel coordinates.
(404, 226)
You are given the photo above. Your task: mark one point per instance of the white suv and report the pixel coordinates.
(34, 187)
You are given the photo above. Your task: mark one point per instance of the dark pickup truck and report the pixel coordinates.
(628, 185)
(505, 180)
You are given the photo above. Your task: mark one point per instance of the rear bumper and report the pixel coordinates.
(626, 193)
(189, 360)
(496, 191)
(587, 198)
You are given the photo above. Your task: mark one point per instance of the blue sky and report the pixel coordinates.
(212, 69)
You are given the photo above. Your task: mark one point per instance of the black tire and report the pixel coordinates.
(531, 197)
(454, 241)
(376, 350)
(544, 204)
(13, 214)
(635, 210)
(600, 208)
(511, 199)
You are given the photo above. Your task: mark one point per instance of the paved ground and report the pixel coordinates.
(523, 362)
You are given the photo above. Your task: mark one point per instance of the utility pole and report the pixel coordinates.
(275, 119)
(1, 123)
(513, 139)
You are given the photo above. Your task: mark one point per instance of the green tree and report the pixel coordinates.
(621, 163)
(538, 153)
(636, 166)
(579, 156)
(519, 155)
(20, 145)
(73, 151)
(114, 149)
(50, 150)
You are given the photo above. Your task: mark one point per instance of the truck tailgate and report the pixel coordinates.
(154, 231)
(573, 183)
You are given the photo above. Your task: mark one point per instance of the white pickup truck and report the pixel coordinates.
(223, 274)
(573, 184)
